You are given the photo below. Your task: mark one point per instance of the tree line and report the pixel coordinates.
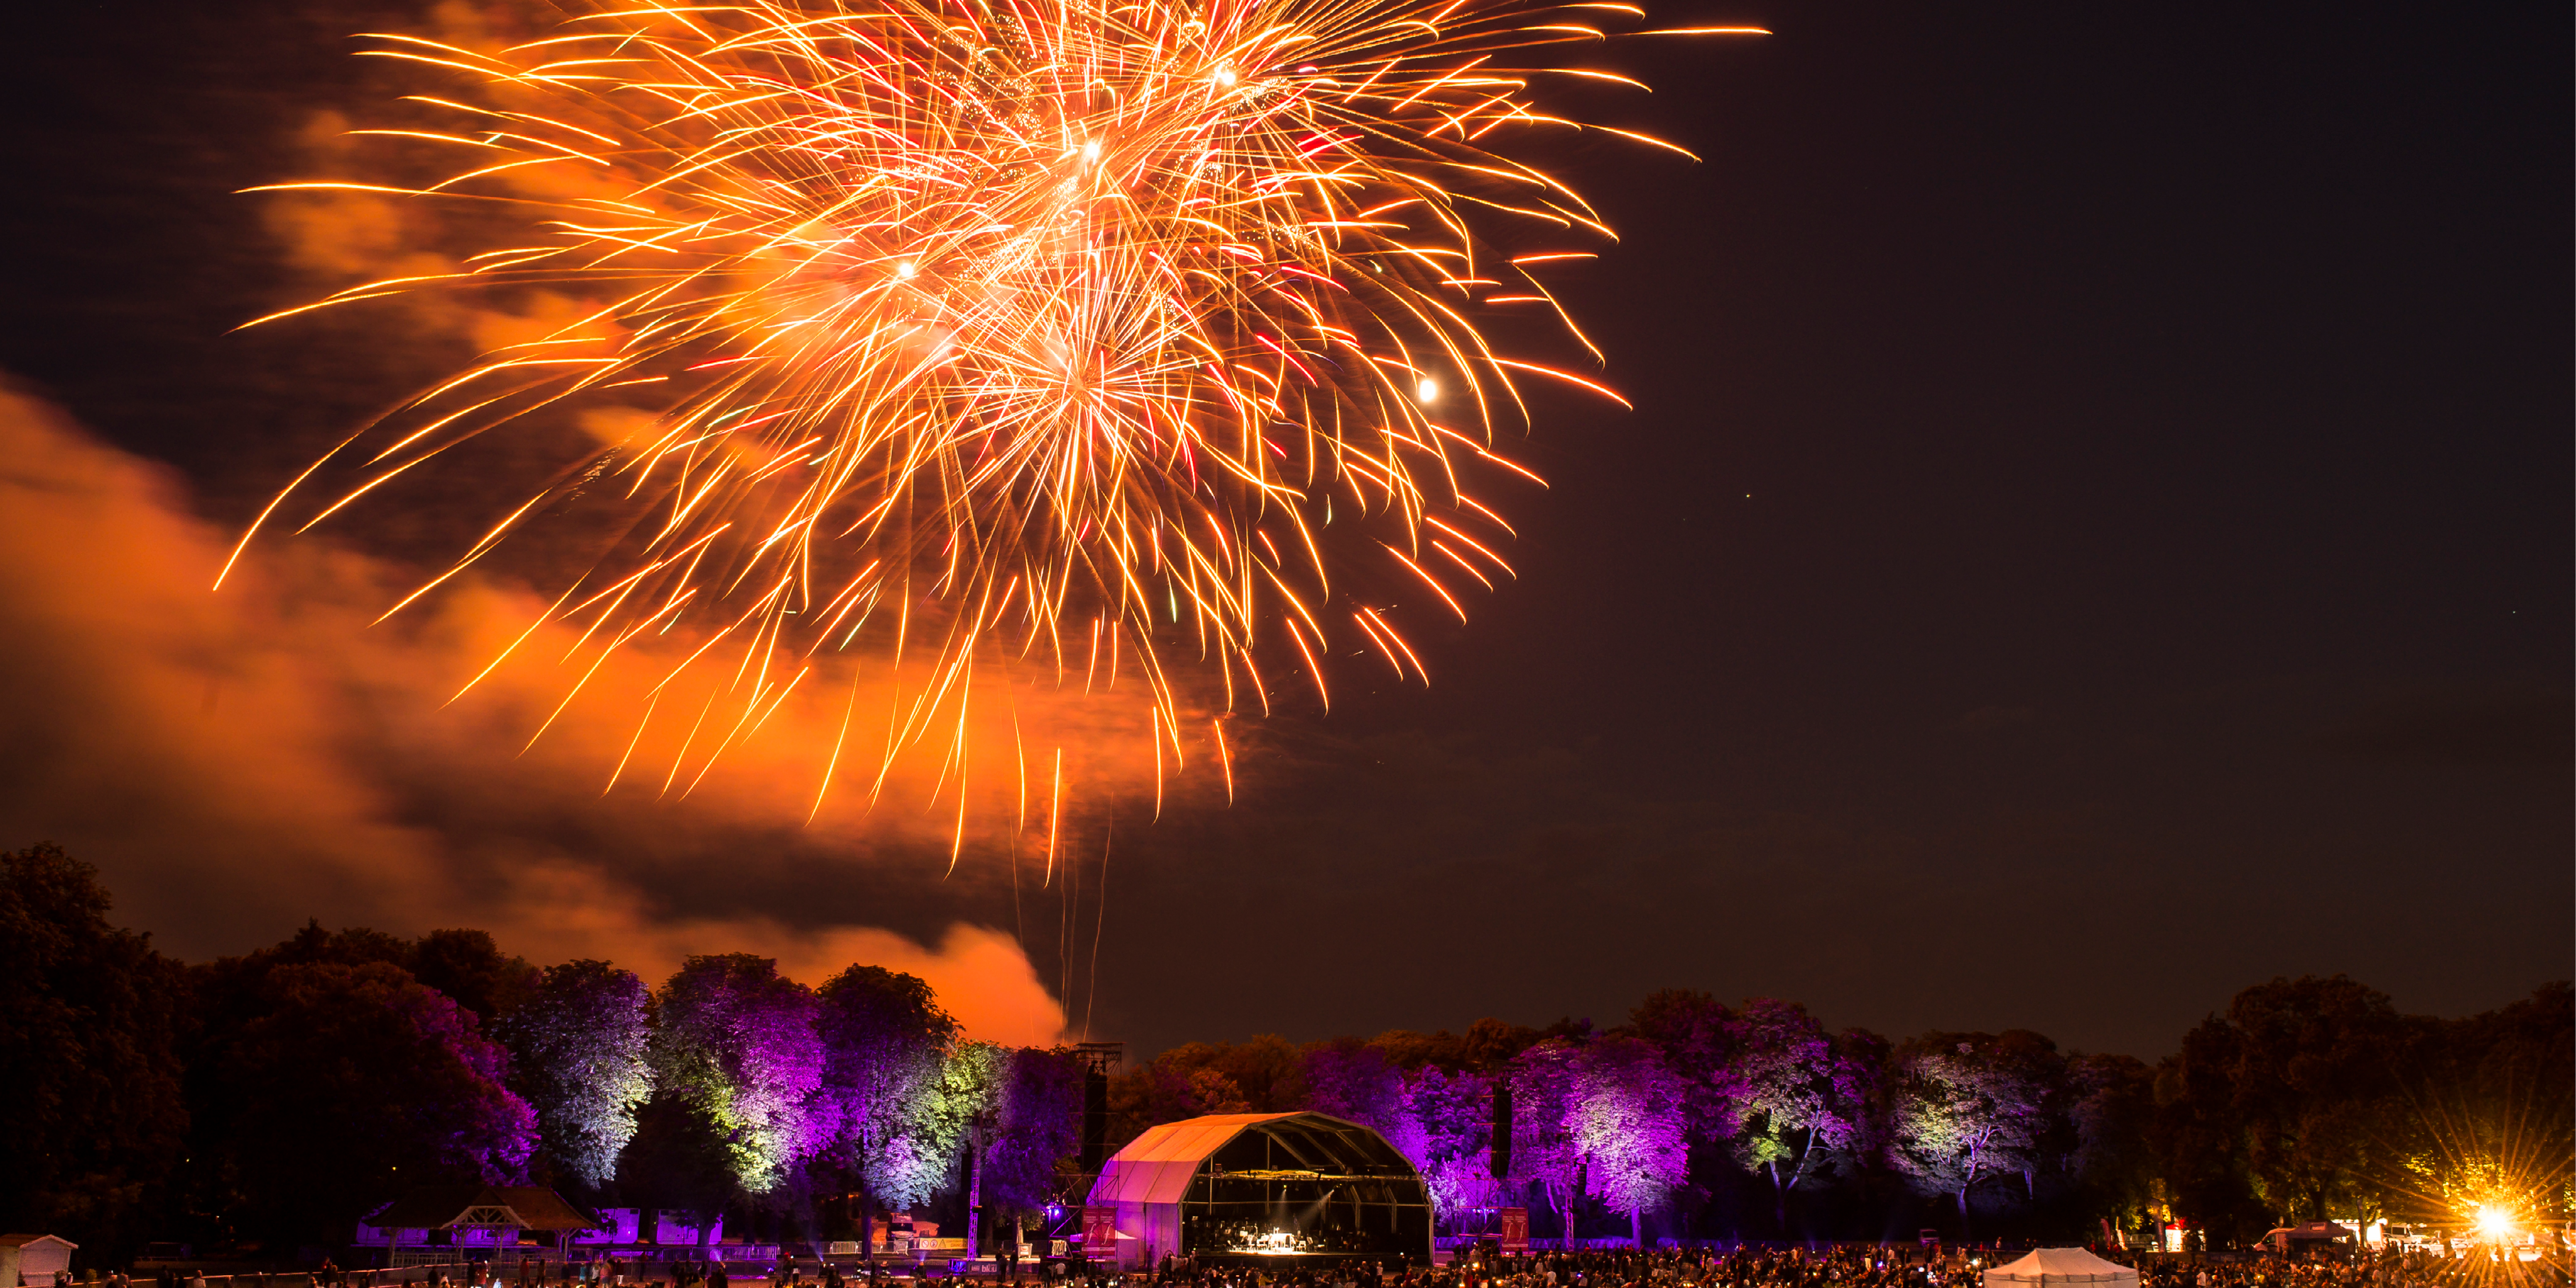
(268, 1101)
(2305, 1099)
(271, 1099)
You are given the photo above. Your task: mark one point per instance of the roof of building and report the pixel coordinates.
(438, 1207)
(22, 1240)
(1157, 1166)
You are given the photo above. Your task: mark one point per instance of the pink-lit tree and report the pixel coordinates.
(1701, 1040)
(1032, 1120)
(348, 1079)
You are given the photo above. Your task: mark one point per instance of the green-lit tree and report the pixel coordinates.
(1971, 1107)
(886, 1041)
(736, 1041)
(1799, 1098)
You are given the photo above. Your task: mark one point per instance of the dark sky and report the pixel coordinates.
(2094, 533)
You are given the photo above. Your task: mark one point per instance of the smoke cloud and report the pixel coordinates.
(238, 761)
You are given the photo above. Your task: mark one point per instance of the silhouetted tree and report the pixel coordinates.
(2111, 1110)
(470, 968)
(345, 1084)
(93, 1108)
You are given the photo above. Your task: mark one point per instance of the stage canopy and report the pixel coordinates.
(1294, 1186)
(2056, 1267)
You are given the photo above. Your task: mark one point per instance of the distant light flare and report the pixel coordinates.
(981, 334)
(2494, 1223)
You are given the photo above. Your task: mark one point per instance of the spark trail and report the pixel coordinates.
(1052, 339)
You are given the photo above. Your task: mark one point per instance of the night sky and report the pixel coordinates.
(2094, 534)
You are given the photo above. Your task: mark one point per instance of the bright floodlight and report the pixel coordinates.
(2494, 1222)
(1428, 390)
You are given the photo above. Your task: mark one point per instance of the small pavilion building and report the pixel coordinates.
(474, 1217)
(37, 1260)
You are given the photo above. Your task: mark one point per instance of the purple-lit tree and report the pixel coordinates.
(1435, 1118)
(737, 1040)
(886, 1040)
(1032, 1120)
(1974, 1106)
(578, 1055)
(1626, 1122)
(1446, 1133)
(1358, 1083)
(1037, 1123)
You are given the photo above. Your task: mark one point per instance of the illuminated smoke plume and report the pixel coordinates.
(237, 763)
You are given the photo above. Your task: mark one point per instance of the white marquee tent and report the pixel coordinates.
(2062, 1268)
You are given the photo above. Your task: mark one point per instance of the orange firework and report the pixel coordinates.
(1060, 335)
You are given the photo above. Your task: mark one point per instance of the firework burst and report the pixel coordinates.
(1054, 337)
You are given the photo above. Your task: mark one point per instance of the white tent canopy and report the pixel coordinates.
(2061, 1267)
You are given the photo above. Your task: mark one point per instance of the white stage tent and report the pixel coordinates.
(2062, 1268)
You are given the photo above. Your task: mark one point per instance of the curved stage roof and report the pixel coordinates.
(1157, 1166)
(1200, 1185)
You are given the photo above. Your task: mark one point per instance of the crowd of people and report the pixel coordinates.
(2384, 1267)
(1835, 1266)
(1848, 1266)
